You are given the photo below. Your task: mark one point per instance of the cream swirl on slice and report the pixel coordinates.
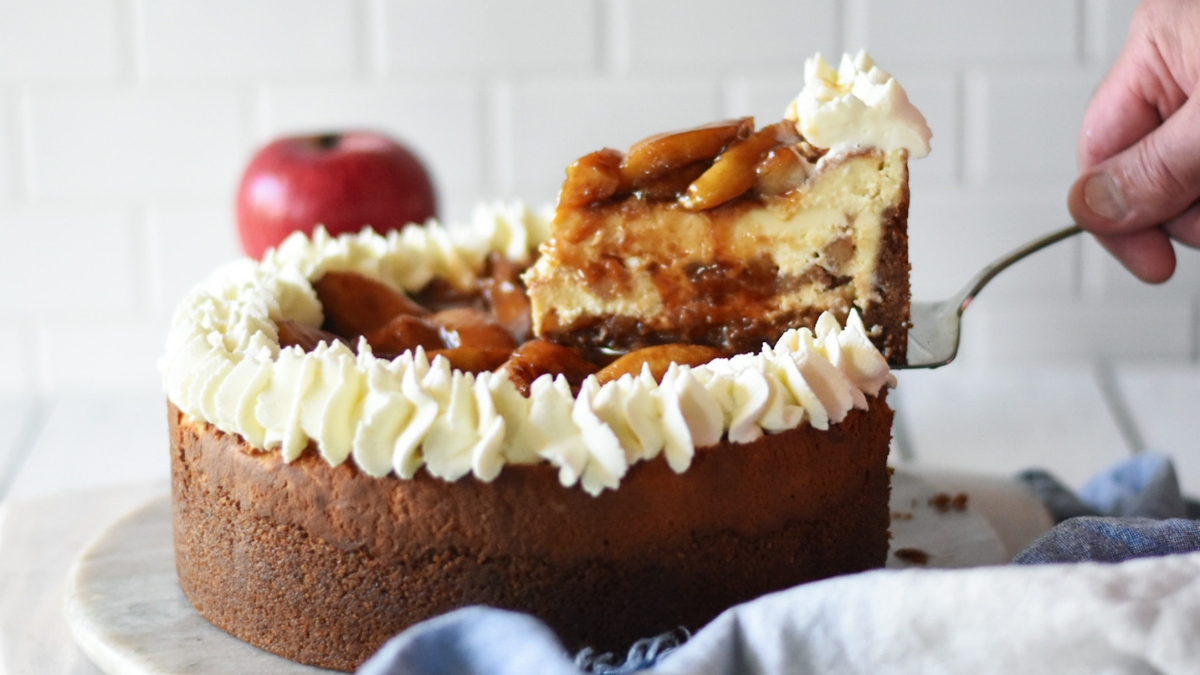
(224, 365)
(858, 105)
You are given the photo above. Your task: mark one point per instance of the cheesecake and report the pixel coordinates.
(728, 235)
(665, 398)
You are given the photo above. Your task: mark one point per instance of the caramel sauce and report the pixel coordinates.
(728, 284)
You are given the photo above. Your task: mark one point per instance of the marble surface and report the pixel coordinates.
(39, 541)
(127, 612)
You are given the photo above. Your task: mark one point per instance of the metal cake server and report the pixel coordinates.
(933, 337)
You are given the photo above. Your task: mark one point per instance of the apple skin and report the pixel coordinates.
(344, 181)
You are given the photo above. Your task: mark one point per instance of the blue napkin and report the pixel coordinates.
(487, 641)
(1131, 510)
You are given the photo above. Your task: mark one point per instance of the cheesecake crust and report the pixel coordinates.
(323, 564)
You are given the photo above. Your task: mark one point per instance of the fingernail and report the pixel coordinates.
(1103, 196)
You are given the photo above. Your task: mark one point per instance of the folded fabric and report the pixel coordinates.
(473, 640)
(1144, 486)
(1089, 538)
(1132, 509)
(1139, 616)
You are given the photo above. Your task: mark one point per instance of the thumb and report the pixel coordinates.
(1146, 184)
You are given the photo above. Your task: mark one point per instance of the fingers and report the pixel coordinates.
(1120, 112)
(1147, 254)
(1145, 185)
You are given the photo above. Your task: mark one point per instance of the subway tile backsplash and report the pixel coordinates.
(124, 125)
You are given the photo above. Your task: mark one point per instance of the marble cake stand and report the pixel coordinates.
(127, 612)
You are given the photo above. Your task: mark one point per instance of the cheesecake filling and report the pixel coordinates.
(224, 366)
(651, 272)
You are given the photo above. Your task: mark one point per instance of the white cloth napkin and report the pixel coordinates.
(1141, 616)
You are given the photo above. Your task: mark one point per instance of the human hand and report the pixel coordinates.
(1139, 149)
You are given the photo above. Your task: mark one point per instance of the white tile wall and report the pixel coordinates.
(720, 37)
(14, 375)
(474, 38)
(76, 264)
(441, 121)
(1021, 140)
(230, 40)
(954, 233)
(8, 145)
(17, 415)
(1107, 25)
(119, 355)
(553, 122)
(130, 144)
(185, 244)
(1016, 33)
(124, 126)
(72, 40)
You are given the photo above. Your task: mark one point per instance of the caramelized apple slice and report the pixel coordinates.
(781, 170)
(403, 333)
(538, 357)
(660, 154)
(467, 327)
(592, 178)
(510, 305)
(506, 296)
(733, 172)
(659, 358)
(473, 359)
(440, 294)
(295, 334)
(674, 184)
(356, 304)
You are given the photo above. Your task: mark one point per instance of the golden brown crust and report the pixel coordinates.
(892, 313)
(323, 564)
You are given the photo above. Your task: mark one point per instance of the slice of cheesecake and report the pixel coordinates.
(727, 236)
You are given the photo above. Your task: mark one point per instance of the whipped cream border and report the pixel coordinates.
(223, 365)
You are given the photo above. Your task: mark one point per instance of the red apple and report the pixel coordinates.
(340, 180)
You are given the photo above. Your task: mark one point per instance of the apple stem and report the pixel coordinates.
(328, 141)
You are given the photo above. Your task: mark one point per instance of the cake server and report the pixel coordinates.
(933, 335)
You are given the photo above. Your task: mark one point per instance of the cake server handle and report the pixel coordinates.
(934, 332)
